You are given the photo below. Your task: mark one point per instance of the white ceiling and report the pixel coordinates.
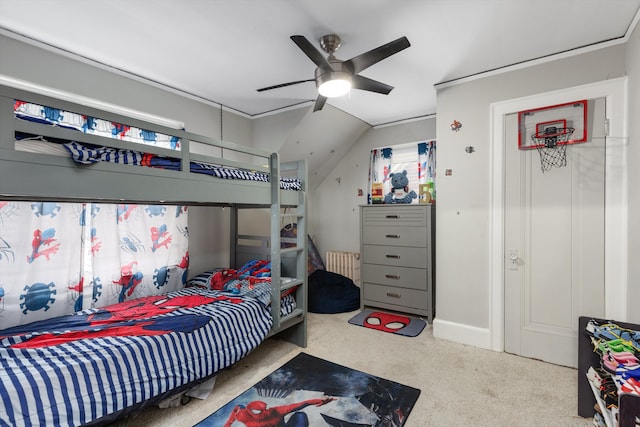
(223, 50)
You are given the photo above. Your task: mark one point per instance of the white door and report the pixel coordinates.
(554, 244)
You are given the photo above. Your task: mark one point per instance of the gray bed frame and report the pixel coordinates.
(46, 177)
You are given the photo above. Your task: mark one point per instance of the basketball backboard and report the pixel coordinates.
(536, 124)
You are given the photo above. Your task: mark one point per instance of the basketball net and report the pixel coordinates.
(552, 146)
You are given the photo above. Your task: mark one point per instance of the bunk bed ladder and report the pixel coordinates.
(294, 327)
(274, 165)
(289, 263)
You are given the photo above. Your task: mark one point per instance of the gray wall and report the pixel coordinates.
(463, 206)
(633, 70)
(321, 137)
(335, 221)
(463, 203)
(43, 67)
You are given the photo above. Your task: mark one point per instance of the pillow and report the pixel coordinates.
(260, 290)
(256, 268)
(202, 280)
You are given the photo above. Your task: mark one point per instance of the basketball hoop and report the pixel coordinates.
(552, 146)
(550, 129)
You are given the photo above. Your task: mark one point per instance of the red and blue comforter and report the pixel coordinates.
(74, 369)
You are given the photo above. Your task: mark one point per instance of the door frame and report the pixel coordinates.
(616, 199)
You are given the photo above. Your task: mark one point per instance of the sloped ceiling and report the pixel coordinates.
(222, 51)
(321, 139)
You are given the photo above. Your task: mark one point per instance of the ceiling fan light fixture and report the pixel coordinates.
(334, 77)
(334, 84)
(335, 88)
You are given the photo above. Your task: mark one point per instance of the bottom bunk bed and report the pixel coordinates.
(98, 365)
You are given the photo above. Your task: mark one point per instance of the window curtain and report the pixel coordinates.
(427, 171)
(137, 250)
(57, 258)
(379, 168)
(40, 262)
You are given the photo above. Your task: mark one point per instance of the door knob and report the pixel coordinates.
(514, 258)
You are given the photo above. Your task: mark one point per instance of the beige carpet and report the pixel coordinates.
(461, 385)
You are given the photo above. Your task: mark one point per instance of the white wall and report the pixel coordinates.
(463, 207)
(633, 70)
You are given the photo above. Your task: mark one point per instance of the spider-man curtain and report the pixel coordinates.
(40, 262)
(57, 258)
(139, 250)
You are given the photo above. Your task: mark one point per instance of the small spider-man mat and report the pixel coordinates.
(388, 322)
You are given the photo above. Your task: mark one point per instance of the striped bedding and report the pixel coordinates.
(74, 369)
(88, 154)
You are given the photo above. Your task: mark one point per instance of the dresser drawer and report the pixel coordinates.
(401, 256)
(394, 236)
(397, 296)
(405, 277)
(405, 215)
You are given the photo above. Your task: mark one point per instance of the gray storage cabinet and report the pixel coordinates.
(397, 243)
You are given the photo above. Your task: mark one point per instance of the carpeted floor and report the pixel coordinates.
(461, 385)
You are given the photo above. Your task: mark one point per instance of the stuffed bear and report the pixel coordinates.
(400, 189)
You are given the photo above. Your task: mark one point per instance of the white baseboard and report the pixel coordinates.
(461, 333)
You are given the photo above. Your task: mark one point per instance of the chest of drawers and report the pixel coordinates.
(397, 245)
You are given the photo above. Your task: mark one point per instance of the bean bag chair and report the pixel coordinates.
(332, 293)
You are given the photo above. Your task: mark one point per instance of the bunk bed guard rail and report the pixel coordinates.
(46, 175)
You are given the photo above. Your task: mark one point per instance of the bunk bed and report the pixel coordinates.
(59, 150)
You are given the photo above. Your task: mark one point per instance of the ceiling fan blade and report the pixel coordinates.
(320, 101)
(367, 59)
(364, 83)
(314, 54)
(285, 84)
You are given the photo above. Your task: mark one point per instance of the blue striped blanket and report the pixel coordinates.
(74, 369)
(84, 154)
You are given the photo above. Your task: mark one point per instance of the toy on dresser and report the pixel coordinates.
(400, 189)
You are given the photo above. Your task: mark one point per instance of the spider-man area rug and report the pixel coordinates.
(388, 322)
(309, 391)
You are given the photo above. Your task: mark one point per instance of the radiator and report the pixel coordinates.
(344, 263)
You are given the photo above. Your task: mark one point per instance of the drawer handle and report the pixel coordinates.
(393, 256)
(393, 216)
(392, 276)
(393, 295)
(393, 236)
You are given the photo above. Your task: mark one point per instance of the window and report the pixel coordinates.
(417, 159)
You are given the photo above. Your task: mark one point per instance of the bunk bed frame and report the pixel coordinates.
(45, 177)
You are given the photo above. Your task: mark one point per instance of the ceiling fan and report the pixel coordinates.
(334, 77)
